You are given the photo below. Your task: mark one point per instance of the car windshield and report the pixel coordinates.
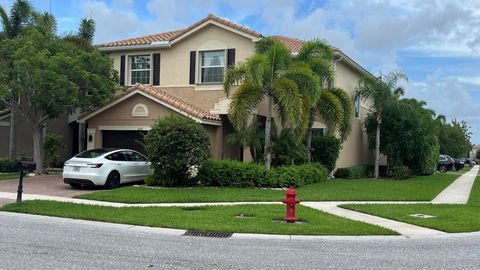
(94, 153)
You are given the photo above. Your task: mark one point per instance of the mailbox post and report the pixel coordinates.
(23, 166)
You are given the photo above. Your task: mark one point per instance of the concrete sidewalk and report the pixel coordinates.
(459, 191)
(405, 229)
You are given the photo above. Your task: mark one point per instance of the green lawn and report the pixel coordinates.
(448, 218)
(418, 188)
(6, 176)
(211, 218)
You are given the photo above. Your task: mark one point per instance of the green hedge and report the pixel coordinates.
(401, 172)
(326, 149)
(7, 165)
(229, 173)
(355, 172)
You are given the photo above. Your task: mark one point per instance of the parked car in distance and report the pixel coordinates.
(107, 167)
(459, 163)
(445, 163)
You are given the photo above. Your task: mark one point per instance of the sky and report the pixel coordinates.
(435, 42)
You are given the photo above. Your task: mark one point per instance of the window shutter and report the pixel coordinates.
(122, 70)
(156, 69)
(230, 57)
(193, 56)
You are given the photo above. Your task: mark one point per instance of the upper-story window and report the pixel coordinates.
(356, 104)
(212, 66)
(140, 69)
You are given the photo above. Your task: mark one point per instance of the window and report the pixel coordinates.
(94, 153)
(140, 69)
(212, 66)
(117, 156)
(357, 106)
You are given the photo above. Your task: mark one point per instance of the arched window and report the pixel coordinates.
(140, 110)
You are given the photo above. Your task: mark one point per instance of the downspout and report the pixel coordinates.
(335, 68)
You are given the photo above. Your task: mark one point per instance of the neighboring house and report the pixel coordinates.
(181, 72)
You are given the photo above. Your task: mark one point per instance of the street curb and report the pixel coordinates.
(181, 232)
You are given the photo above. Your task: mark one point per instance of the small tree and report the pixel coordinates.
(176, 146)
(49, 78)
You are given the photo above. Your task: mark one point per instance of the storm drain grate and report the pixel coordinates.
(208, 234)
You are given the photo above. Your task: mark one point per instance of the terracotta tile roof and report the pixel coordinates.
(167, 98)
(172, 35)
(145, 40)
(293, 44)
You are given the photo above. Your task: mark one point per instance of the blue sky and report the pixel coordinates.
(436, 42)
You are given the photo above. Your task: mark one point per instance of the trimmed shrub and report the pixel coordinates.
(326, 149)
(7, 165)
(298, 175)
(52, 144)
(176, 146)
(401, 172)
(355, 172)
(230, 173)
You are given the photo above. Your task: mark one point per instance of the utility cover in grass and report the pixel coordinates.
(421, 216)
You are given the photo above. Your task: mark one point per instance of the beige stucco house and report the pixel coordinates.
(181, 72)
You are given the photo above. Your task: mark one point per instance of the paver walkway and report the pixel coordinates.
(458, 192)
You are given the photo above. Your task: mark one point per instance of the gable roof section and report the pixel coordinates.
(173, 36)
(161, 97)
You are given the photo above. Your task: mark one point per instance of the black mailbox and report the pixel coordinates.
(27, 166)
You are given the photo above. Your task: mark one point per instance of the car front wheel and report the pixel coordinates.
(442, 169)
(113, 180)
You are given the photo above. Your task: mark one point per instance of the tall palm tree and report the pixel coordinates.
(83, 38)
(379, 93)
(12, 24)
(333, 105)
(270, 75)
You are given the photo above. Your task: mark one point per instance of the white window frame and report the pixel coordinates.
(357, 107)
(129, 62)
(200, 67)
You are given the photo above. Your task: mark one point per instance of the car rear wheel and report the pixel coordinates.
(113, 180)
(442, 169)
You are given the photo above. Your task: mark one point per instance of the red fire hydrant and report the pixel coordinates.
(290, 202)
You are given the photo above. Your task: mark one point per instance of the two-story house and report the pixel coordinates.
(181, 72)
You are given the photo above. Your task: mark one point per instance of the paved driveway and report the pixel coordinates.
(45, 185)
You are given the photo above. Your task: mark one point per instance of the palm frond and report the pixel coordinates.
(392, 78)
(45, 22)
(263, 45)
(289, 99)
(87, 29)
(324, 71)
(233, 76)
(316, 48)
(244, 102)
(306, 80)
(279, 57)
(330, 109)
(256, 68)
(19, 15)
(345, 126)
(5, 22)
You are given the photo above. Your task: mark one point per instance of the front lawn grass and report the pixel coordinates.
(448, 217)
(209, 218)
(418, 188)
(8, 176)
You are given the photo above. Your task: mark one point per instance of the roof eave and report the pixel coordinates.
(352, 63)
(135, 47)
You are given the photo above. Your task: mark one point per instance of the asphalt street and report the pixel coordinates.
(28, 242)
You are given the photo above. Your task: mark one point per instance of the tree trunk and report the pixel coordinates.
(309, 145)
(268, 129)
(377, 148)
(38, 149)
(12, 147)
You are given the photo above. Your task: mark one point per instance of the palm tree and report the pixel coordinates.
(84, 36)
(270, 75)
(379, 93)
(12, 24)
(331, 104)
(251, 137)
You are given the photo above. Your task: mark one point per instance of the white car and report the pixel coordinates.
(107, 167)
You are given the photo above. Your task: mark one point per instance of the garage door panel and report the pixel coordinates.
(124, 139)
